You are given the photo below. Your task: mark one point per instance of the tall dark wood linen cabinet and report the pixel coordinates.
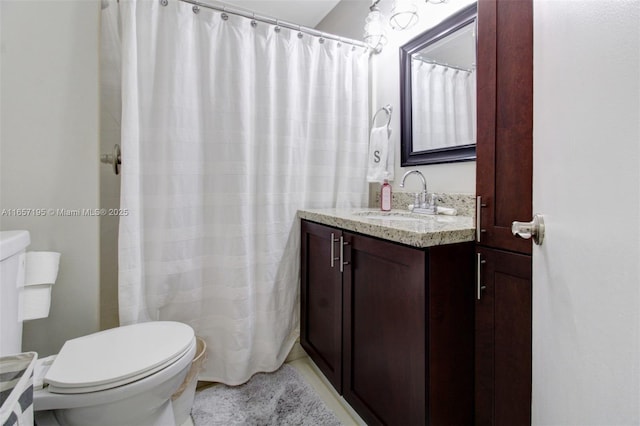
(504, 189)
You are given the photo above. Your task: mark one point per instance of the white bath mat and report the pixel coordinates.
(267, 399)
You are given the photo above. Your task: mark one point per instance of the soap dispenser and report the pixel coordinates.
(385, 196)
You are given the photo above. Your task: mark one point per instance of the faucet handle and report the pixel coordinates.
(424, 200)
(416, 200)
(433, 201)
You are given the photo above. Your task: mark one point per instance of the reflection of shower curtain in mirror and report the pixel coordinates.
(443, 106)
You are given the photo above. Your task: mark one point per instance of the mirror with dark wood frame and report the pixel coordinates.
(438, 92)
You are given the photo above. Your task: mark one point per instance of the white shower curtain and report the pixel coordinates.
(443, 106)
(227, 130)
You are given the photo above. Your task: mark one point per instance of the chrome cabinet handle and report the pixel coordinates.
(479, 286)
(342, 262)
(533, 229)
(479, 206)
(333, 250)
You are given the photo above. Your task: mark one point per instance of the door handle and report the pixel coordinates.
(114, 159)
(533, 229)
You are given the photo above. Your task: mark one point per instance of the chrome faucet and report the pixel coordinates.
(421, 204)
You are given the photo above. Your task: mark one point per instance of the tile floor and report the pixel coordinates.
(331, 398)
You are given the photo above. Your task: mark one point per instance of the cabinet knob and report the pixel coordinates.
(533, 229)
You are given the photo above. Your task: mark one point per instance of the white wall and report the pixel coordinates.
(49, 151)
(586, 275)
(347, 19)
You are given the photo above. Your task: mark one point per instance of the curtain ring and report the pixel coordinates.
(321, 40)
(254, 23)
(299, 32)
(277, 28)
(224, 15)
(195, 9)
(164, 2)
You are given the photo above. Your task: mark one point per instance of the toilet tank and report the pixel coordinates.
(12, 272)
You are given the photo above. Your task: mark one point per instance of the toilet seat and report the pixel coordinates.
(117, 356)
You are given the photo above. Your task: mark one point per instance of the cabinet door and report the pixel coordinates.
(384, 346)
(505, 120)
(321, 300)
(503, 339)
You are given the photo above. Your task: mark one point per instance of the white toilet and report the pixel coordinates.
(122, 376)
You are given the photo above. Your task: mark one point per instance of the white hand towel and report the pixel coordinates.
(378, 155)
(390, 159)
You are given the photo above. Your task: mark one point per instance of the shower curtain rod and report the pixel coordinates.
(277, 22)
(432, 62)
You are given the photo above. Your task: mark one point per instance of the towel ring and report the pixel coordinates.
(388, 109)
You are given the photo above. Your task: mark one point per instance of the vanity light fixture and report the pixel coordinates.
(404, 15)
(374, 33)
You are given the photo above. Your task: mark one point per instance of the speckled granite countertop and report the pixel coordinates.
(397, 225)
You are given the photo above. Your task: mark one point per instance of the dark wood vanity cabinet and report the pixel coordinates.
(393, 332)
(321, 300)
(504, 167)
(385, 326)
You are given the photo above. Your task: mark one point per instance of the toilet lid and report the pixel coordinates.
(117, 356)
